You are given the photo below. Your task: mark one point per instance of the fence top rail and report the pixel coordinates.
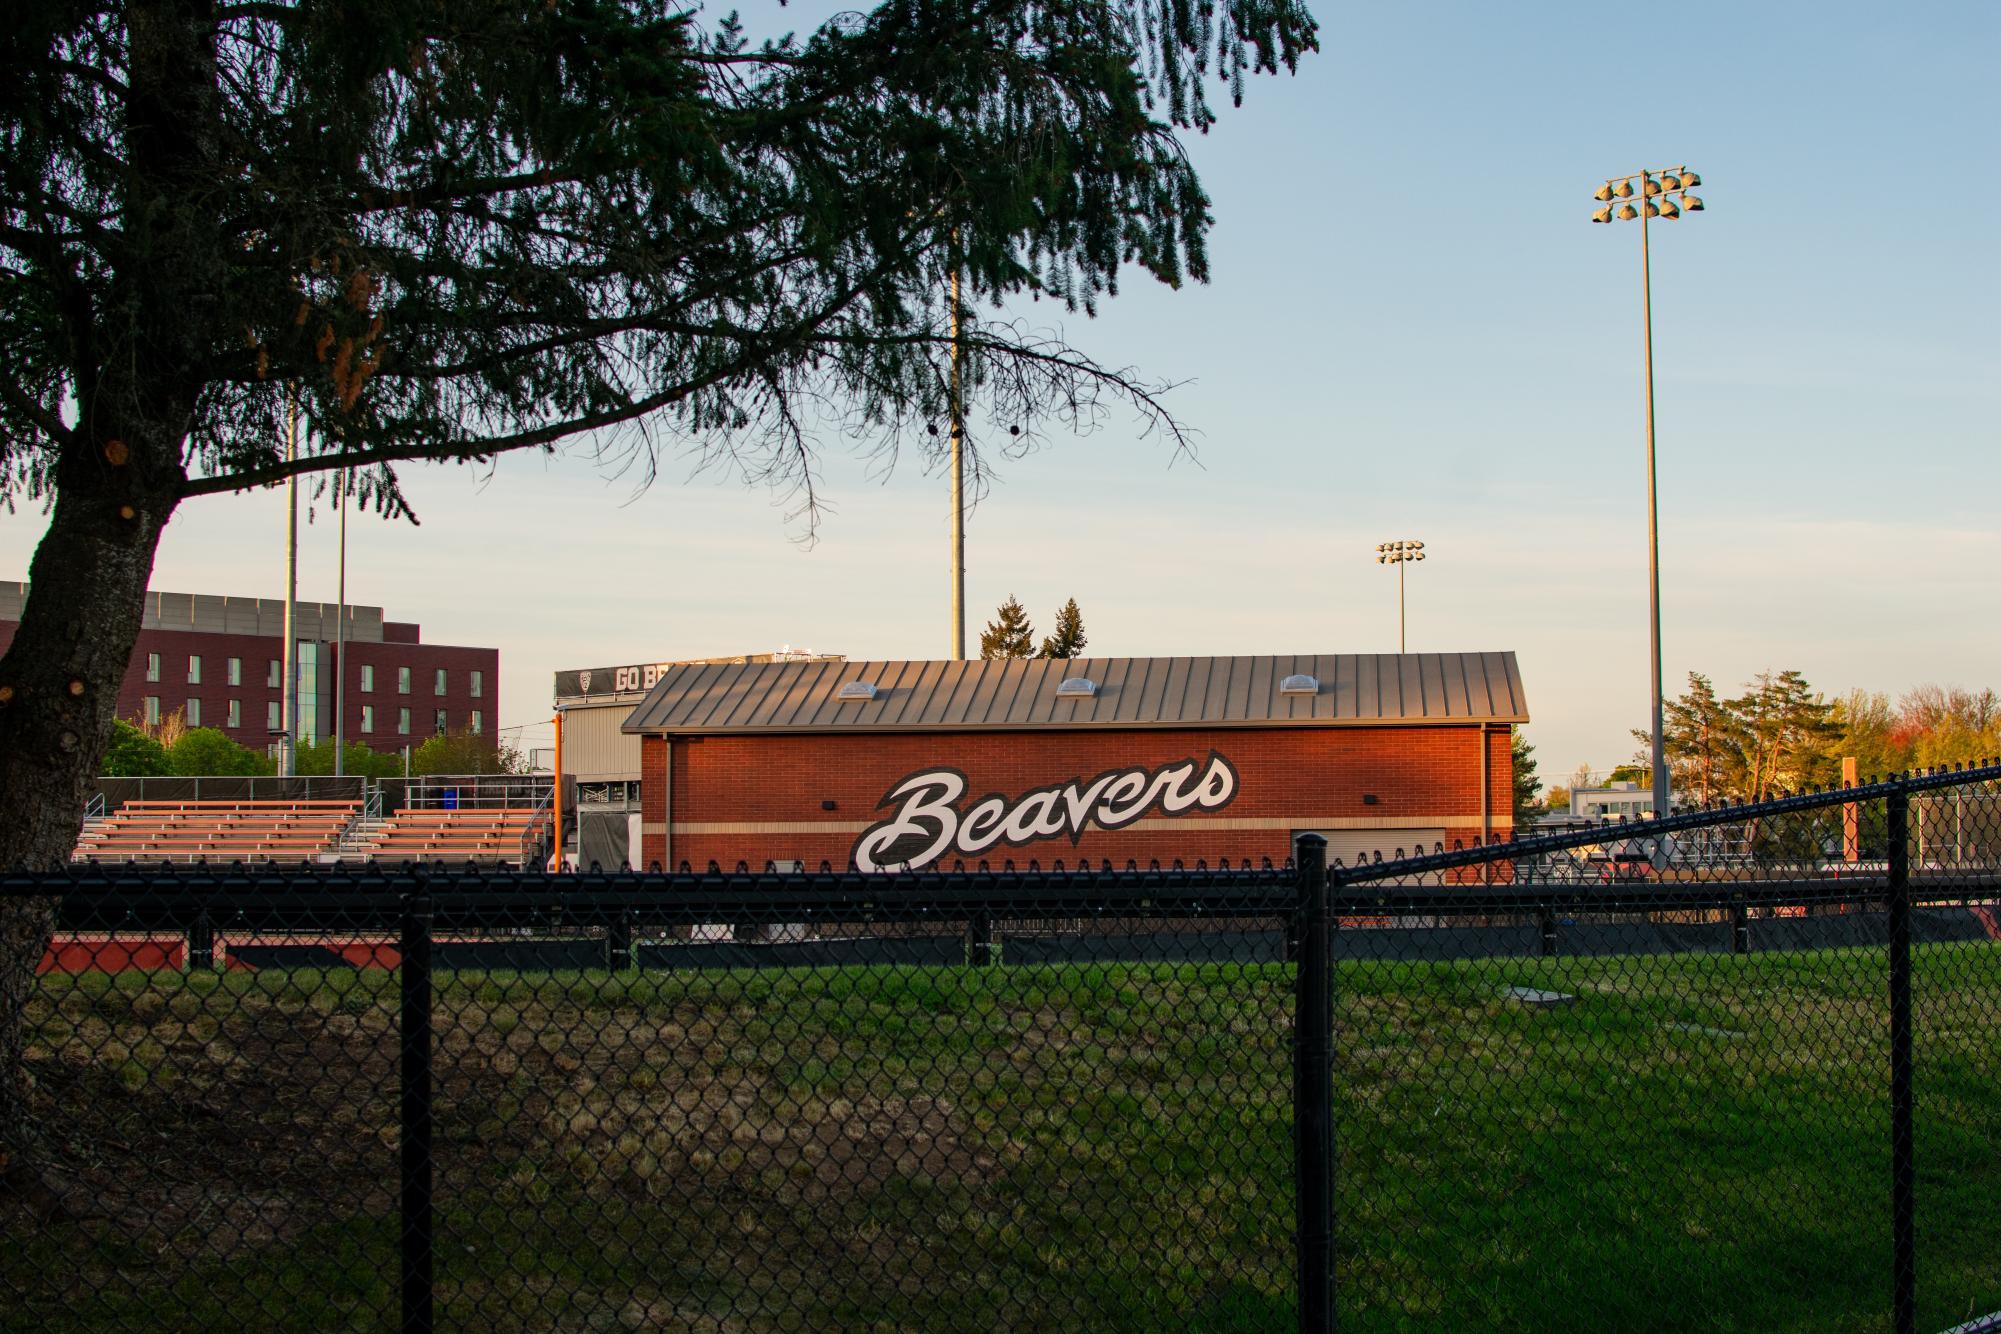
(370, 898)
(104, 896)
(437, 878)
(1655, 827)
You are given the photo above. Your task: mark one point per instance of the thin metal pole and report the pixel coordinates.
(1903, 1187)
(1313, 1088)
(340, 633)
(958, 415)
(415, 1111)
(556, 801)
(288, 706)
(1400, 641)
(1660, 774)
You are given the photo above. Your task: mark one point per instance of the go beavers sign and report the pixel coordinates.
(930, 823)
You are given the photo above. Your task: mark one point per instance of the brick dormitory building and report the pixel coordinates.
(892, 765)
(219, 661)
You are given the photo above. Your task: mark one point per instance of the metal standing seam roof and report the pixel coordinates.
(1356, 689)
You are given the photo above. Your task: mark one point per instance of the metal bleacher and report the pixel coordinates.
(189, 831)
(492, 834)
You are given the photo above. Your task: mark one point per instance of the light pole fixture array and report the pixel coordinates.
(1399, 554)
(1661, 194)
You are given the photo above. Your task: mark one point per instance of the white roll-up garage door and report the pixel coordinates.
(1352, 846)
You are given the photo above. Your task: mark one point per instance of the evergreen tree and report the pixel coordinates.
(1069, 640)
(449, 232)
(1788, 729)
(1779, 736)
(1705, 744)
(1009, 635)
(1527, 785)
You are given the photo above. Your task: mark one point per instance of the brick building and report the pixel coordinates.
(220, 661)
(907, 764)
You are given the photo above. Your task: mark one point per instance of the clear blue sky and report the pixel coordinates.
(1413, 331)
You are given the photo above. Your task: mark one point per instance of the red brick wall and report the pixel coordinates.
(1287, 778)
(259, 651)
(423, 661)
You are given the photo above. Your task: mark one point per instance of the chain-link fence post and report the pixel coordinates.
(414, 1117)
(1313, 1087)
(618, 942)
(1903, 1223)
(201, 943)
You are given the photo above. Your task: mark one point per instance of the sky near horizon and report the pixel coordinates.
(1413, 331)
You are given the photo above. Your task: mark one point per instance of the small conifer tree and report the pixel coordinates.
(1009, 635)
(1069, 639)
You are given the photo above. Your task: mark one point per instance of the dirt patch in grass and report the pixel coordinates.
(687, 1104)
(173, 1135)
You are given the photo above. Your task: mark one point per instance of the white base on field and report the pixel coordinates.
(1980, 1324)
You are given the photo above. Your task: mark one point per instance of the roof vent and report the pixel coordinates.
(855, 692)
(1299, 685)
(1076, 687)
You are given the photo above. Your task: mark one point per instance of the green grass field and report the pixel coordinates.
(1695, 1142)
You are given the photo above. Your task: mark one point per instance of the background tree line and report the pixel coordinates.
(1781, 735)
(170, 748)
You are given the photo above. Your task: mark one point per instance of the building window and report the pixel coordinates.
(478, 684)
(477, 724)
(403, 722)
(152, 666)
(438, 683)
(236, 713)
(441, 722)
(368, 717)
(194, 669)
(271, 678)
(236, 671)
(368, 677)
(153, 710)
(272, 722)
(402, 680)
(306, 698)
(194, 713)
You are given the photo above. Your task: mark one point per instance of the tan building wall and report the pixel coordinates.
(594, 750)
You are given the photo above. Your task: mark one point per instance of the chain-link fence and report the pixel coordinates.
(1734, 1069)
(1737, 1069)
(632, 1102)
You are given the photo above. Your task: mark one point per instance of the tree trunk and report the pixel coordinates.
(58, 695)
(137, 345)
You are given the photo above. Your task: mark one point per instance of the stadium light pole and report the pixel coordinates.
(341, 487)
(288, 695)
(1662, 194)
(1399, 554)
(958, 419)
